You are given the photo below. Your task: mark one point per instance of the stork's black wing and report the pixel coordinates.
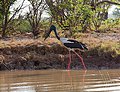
(76, 44)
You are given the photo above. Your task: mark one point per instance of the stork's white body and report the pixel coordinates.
(65, 40)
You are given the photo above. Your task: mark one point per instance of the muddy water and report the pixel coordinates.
(60, 81)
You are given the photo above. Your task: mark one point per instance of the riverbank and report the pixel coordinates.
(23, 53)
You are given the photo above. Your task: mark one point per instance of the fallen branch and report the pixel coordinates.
(106, 1)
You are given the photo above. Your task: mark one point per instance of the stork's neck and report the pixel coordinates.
(56, 34)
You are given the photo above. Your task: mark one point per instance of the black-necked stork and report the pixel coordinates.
(70, 44)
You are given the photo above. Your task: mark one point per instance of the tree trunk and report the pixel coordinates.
(4, 31)
(35, 32)
(106, 15)
(4, 25)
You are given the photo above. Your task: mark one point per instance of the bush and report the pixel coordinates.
(112, 48)
(24, 26)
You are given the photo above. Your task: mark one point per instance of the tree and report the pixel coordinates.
(116, 12)
(5, 12)
(100, 9)
(34, 15)
(70, 14)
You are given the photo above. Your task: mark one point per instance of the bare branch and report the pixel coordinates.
(16, 11)
(106, 1)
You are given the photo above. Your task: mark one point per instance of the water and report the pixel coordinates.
(60, 81)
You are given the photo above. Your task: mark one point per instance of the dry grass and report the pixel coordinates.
(51, 53)
(17, 43)
(95, 42)
(92, 41)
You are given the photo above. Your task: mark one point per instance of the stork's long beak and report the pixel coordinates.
(51, 28)
(47, 35)
(45, 39)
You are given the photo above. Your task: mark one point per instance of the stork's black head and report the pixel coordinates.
(52, 28)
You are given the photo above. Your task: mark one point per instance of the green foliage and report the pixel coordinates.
(112, 48)
(79, 15)
(1, 16)
(24, 26)
(72, 14)
(5, 14)
(110, 25)
(5, 6)
(106, 49)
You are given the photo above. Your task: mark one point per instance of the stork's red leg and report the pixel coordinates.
(69, 60)
(80, 59)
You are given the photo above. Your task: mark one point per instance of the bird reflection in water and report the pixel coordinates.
(72, 78)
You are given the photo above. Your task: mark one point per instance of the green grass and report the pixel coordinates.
(112, 48)
(106, 49)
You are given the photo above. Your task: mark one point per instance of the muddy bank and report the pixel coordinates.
(53, 56)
